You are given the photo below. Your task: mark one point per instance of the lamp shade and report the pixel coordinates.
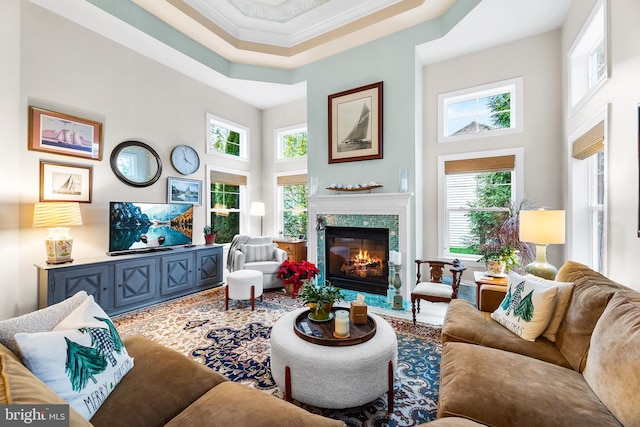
(542, 226)
(257, 209)
(57, 214)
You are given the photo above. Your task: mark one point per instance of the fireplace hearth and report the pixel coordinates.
(357, 258)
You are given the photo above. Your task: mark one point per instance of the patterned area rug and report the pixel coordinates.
(236, 344)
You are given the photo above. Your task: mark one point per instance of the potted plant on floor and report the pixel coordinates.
(293, 274)
(209, 234)
(320, 298)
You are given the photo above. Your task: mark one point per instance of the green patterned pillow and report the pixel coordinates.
(81, 360)
(526, 308)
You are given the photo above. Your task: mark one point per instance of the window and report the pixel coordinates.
(486, 110)
(588, 196)
(292, 192)
(225, 138)
(291, 143)
(475, 191)
(588, 57)
(225, 204)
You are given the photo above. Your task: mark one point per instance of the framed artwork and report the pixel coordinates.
(59, 133)
(65, 183)
(355, 124)
(187, 191)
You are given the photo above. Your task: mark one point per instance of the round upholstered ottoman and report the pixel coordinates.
(333, 377)
(243, 285)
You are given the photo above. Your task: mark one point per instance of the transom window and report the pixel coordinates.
(588, 57)
(480, 111)
(477, 190)
(291, 143)
(226, 138)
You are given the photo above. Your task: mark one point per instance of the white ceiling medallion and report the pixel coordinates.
(275, 10)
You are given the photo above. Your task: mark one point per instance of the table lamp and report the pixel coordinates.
(257, 209)
(542, 227)
(58, 217)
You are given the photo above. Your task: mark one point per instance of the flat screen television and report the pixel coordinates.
(146, 227)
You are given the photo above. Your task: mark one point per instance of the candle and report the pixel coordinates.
(342, 323)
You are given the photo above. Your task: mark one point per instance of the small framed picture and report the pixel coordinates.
(355, 124)
(187, 191)
(59, 133)
(65, 183)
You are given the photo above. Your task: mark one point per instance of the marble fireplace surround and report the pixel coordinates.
(386, 206)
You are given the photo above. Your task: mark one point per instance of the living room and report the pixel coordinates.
(90, 76)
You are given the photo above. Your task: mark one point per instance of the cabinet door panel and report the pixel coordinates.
(135, 282)
(94, 280)
(208, 267)
(177, 273)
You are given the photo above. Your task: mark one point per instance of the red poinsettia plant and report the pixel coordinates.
(296, 273)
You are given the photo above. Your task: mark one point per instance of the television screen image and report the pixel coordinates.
(148, 226)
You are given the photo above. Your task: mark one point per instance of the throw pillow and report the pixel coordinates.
(526, 308)
(562, 302)
(38, 321)
(254, 253)
(82, 359)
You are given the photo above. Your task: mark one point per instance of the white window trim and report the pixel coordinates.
(277, 135)
(242, 130)
(518, 188)
(445, 99)
(279, 214)
(244, 196)
(573, 223)
(591, 91)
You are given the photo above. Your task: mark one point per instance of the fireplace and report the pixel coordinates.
(356, 258)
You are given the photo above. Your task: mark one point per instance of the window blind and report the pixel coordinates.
(300, 179)
(484, 164)
(228, 178)
(590, 143)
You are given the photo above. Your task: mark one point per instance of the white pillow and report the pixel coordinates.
(255, 253)
(81, 360)
(565, 290)
(526, 308)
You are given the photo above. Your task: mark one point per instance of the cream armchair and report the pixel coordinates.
(257, 253)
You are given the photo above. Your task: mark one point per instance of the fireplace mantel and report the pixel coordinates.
(365, 204)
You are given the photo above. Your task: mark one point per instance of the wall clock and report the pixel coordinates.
(185, 159)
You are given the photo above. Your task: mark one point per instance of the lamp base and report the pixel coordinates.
(59, 250)
(59, 261)
(542, 269)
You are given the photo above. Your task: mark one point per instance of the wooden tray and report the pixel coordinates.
(357, 333)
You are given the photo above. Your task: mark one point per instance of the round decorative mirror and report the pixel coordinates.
(136, 164)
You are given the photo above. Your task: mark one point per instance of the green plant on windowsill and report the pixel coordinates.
(506, 254)
(320, 298)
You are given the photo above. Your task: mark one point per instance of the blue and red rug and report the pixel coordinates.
(236, 344)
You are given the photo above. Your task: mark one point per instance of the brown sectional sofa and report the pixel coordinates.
(163, 388)
(589, 376)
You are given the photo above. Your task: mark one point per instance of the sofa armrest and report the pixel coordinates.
(238, 260)
(280, 255)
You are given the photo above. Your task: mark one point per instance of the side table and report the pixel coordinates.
(482, 278)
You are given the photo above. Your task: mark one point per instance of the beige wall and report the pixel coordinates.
(622, 94)
(61, 66)
(537, 60)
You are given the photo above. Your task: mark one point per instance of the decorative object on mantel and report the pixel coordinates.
(367, 186)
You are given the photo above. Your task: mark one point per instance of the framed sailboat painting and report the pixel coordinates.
(65, 183)
(59, 133)
(355, 124)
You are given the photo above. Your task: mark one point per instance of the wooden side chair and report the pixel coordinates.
(439, 286)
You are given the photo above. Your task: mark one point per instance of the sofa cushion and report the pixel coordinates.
(253, 253)
(161, 385)
(82, 359)
(464, 323)
(19, 386)
(500, 388)
(233, 404)
(527, 308)
(38, 321)
(613, 367)
(562, 302)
